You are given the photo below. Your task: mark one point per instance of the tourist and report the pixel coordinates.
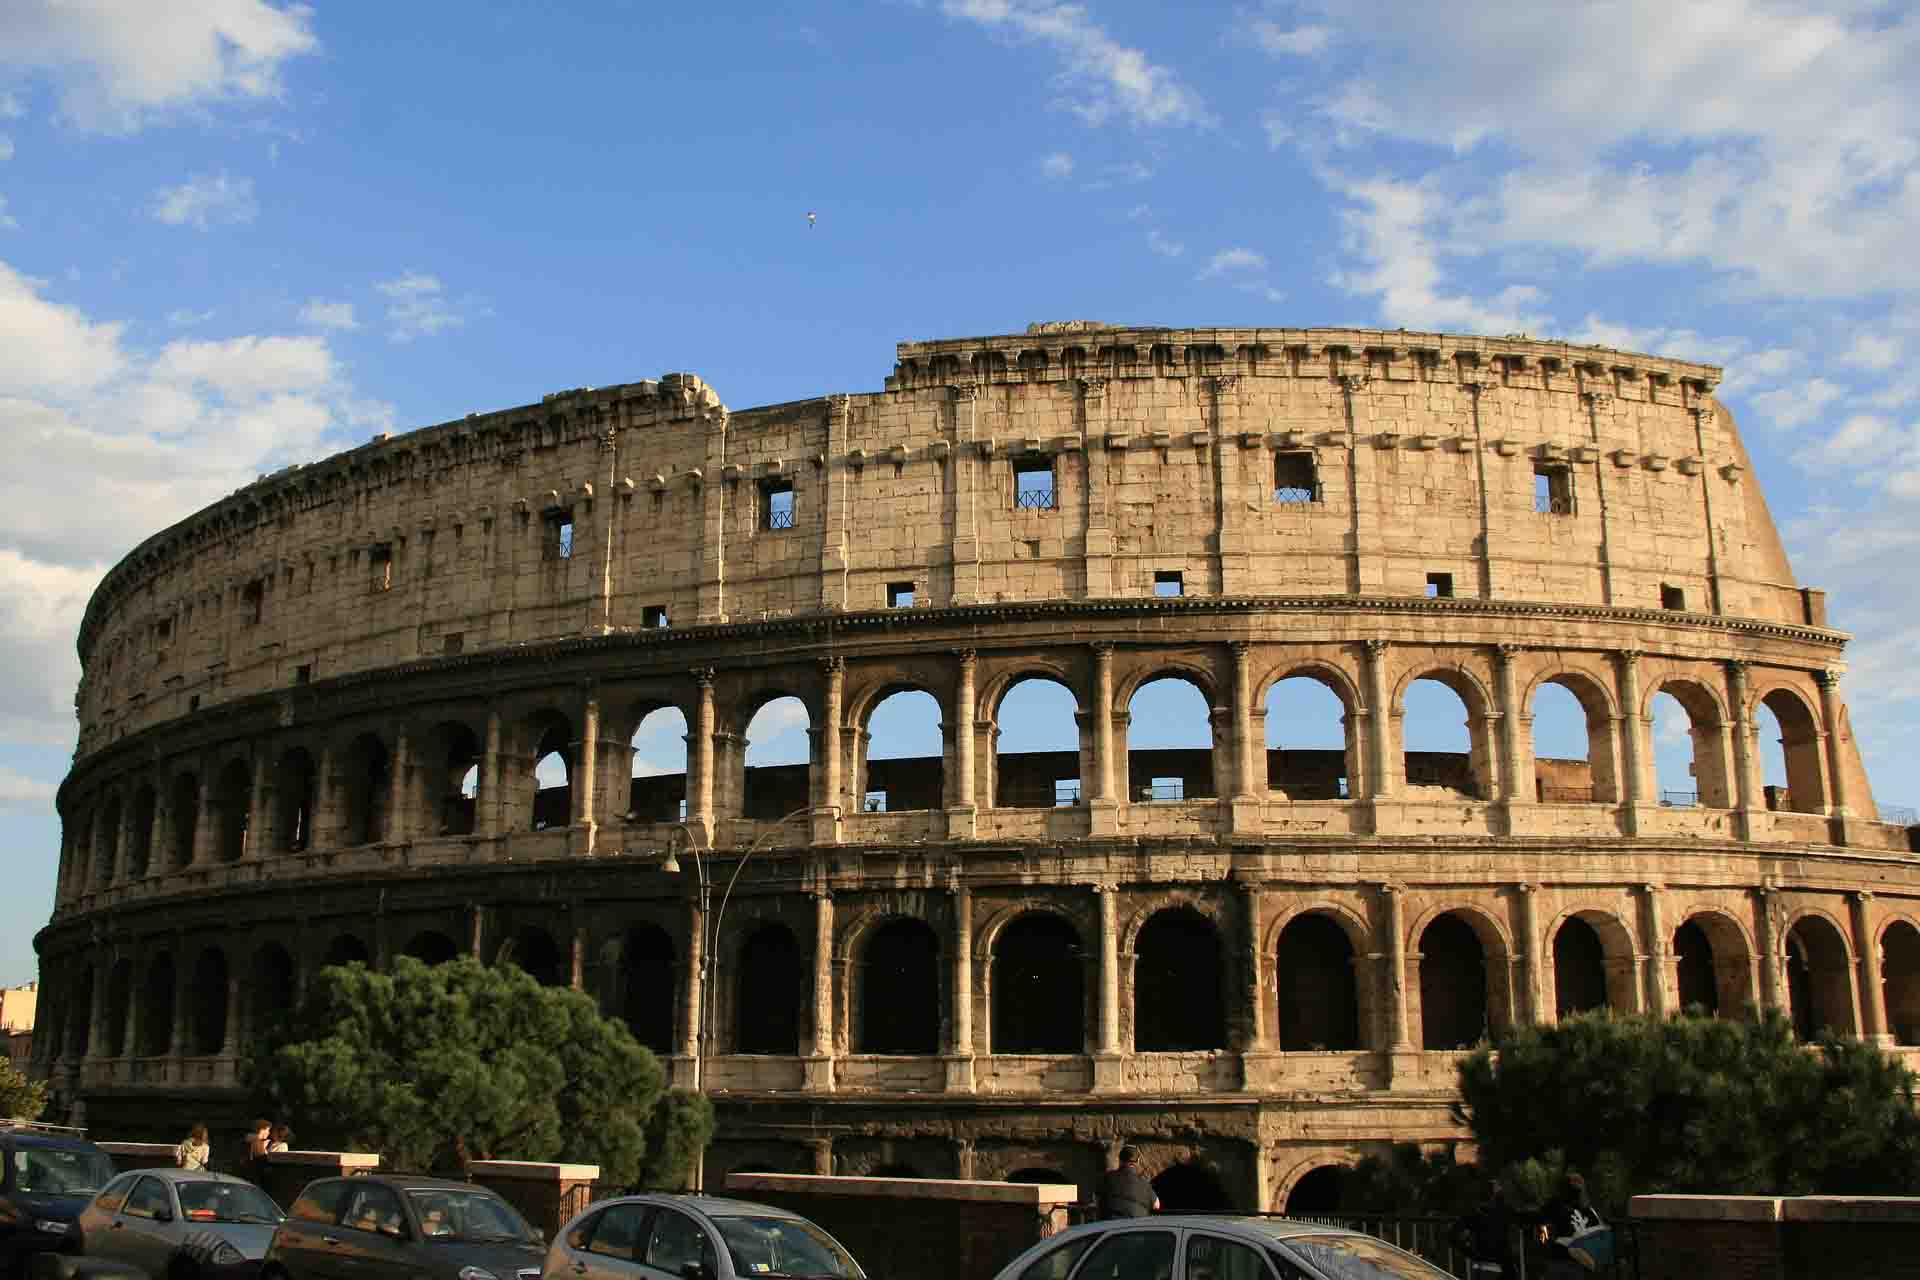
(1125, 1191)
(277, 1141)
(1577, 1240)
(1486, 1236)
(258, 1139)
(194, 1152)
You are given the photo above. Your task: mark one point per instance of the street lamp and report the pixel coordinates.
(710, 922)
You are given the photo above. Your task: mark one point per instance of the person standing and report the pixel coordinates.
(1576, 1239)
(1125, 1191)
(257, 1148)
(195, 1151)
(1486, 1236)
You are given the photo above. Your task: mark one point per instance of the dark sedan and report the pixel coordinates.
(391, 1227)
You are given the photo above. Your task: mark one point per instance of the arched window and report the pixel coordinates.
(658, 791)
(431, 947)
(1579, 968)
(272, 996)
(1318, 1192)
(1319, 999)
(1453, 985)
(234, 798)
(1819, 981)
(1690, 747)
(1178, 1000)
(902, 767)
(345, 949)
(1790, 771)
(1444, 749)
(79, 1029)
(1191, 1187)
(140, 832)
(1572, 744)
(1693, 964)
(364, 788)
(767, 1011)
(209, 1013)
(775, 775)
(1038, 985)
(449, 757)
(1169, 735)
(900, 989)
(538, 955)
(183, 818)
(1900, 973)
(106, 854)
(156, 1008)
(119, 1006)
(649, 968)
(293, 790)
(552, 773)
(1036, 746)
(1309, 752)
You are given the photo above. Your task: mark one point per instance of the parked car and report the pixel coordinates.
(50, 1174)
(696, 1238)
(181, 1224)
(1214, 1247)
(393, 1227)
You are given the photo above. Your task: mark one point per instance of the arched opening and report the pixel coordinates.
(1038, 986)
(77, 857)
(649, 968)
(1453, 985)
(293, 789)
(767, 1012)
(1690, 747)
(274, 989)
(1037, 1176)
(1900, 980)
(106, 835)
(658, 790)
(1819, 979)
(1579, 968)
(79, 1029)
(156, 1008)
(233, 798)
(431, 947)
(1319, 998)
(208, 1017)
(1443, 744)
(1694, 970)
(537, 955)
(183, 818)
(552, 773)
(1572, 743)
(119, 1006)
(345, 949)
(1790, 754)
(364, 787)
(1035, 757)
(1318, 1193)
(1310, 749)
(1190, 1187)
(140, 832)
(1178, 1002)
(451, 777)
(900, 989)
(775, 779)
(903, 766)
(895, 1169)
(1169, 736)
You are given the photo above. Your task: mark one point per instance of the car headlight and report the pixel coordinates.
(477, 1273)
(226, 1255)
(51, 1226)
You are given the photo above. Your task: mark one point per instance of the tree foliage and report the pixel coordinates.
(404, 1062)
(1691, 1105)
(1409, 1180)
(20, 1098)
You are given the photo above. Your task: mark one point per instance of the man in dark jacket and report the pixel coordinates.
(1486, 1237)
(1125, 1191)
(1571, 1228)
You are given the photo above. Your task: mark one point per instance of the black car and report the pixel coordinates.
(393, 1227)
(50, 1174)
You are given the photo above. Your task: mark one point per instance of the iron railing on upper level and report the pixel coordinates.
(1295, 493)
(1034, 499)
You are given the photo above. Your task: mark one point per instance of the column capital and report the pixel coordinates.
(820, 895)
(1102, 649)
(1505, 652)
(702, 676)
(1596, 399)
(966, 657)
(963, 390)
(1526, 886)
(1093, 388)
(1241, 649)
(1224, 381)
(833, 666)
(1862, 896)
(1827, 678)
(1629, 657)
(1375, 647)
(1353, 383)
(1104, 886)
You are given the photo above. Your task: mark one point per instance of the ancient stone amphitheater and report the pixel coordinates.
(312, 713)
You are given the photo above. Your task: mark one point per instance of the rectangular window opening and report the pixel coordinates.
(1439, 586)
(380, 567)
(558, 542)
(654, 617)
(254, 599)
(163, 630)
(193, 702)
(1552, 490)
(1168, 582)
(899, 595)
(1165, 789)
(1296, 478)
(1672, 597)
(1066, 792)
(454, 643)
(776, 504)
(303, 674)
(875, 802)
(1033, 483)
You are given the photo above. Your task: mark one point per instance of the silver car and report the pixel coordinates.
(675, 1237)
(181, 1224)
(1214, 1247)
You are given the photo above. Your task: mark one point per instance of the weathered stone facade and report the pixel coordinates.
(310, 716)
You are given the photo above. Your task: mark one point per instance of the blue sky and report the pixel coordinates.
(235, 234)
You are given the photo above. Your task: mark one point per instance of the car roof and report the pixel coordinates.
(192, 1175)
(54, 1141)
(415, 1182)
(1259, 1227)
(712, 1206)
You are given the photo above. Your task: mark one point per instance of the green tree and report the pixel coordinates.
(404, 1062)
(20, 1098)
(1691, 1104)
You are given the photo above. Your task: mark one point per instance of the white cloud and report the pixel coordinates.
(419, 307)
(185, 318)
(1297, 42)
(120, 64)
(7, 221)
(328, 315)
(1865, 443)
(47, 348)
(1103, 77)
(10, 108)
(6, 148)
(205, 201)
(1799, 404)
(1233, 262)
(21, 794)
(1164, 247)
(1057, 165)
(1875, 351)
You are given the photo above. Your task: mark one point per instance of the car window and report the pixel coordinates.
(790, 1246)
(210, 1201)
(676, 1241)
(148, 1199)
(1130, 1255)
(1216, 1258)
(320, 1202)
(60, 1171)
(1055, 1263)
(453, 1214)
(617, 1233)
(372, 1207)
(115, 1194)
(1356, 1257)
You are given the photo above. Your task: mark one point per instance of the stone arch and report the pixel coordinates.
(207, 1017)
(656, 792)
(1180, 772)
(431, 947)
(1153, 667)
(139, 851)
(1456, 1005)
(1596, 701)
(1715, 960)
(295, 790)
(1179, 981)
(1037, 985)
(1819, 969)
(1707, 727)
(1900, 980)
(650, 983)
(1303, 773)
(1801, 747)
(76, 1037)
(1318, 984)
(893, 782)
(106, 839)
(78, 834)
(446, 753)
(272, 990)
(183, 817)
(233, 806)
(1316, 1192)
(551, 740)
(536, 953)
(765, 791)
(344, 949)
(897, 988)
(1432, 769)
(768, 991)
(1033, 778)
(1191, 1186)
(363, 783)
(158, 991)
(1593, 966)
(120, 1009)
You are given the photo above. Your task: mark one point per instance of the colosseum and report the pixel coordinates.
(386, 704)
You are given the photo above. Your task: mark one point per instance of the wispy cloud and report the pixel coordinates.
(1164, 247)
(1233, 262)
(1297, 42)
(418, 307)
(1057, 165)
(322, 314)
(185, 318)
(205, 202)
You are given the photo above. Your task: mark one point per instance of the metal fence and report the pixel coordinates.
(1431, 1238)
(1294, 493)
(1679, 799)
(1035, 499)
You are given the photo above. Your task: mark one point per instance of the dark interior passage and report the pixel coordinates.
(1453, 985)
(1178, 1003)
(1038, 987)
(1579, 968)
(900, 989)
(1319, 1001)
(767, 1013)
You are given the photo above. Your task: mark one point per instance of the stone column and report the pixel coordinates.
(1635, 747)
(398, 825)
(1767, 935)
(476, 929)
(1105, 809)
(1380, 780)
(1840, 807)
(693, 1046)
(1394, 951)
(1746, 789)
(963, 816)
(1107, 1062)
(1249, 753)
(1866, 948)
(819, 1065)
(960, 1059)
(1531, 1000)
(577, 959)
(1258, 1047)
(230, 1042)
(826, 816)
(1661, 994)
(700, 761)
(205, 831)
(487, 821)
(967, 471)
(586, 778)
(1513, 789)
(97, 1014)
(262, 839)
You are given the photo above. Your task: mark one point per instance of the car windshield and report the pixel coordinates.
(784, 1247)
(448, 1215)
(60, 1171)
(211, 1201)
(1344, 1257)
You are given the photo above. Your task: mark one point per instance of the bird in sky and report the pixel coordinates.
(812, 217)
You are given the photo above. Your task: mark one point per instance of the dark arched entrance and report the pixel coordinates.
(1318, 1192)
(1177, 998)
(538, 955)
(1819, 984)
(1190, 1187)
(1900, 974)
(156, 1009)
(1038, 987)
(1693, 965)
(345, 949)
(271, 1000)
(209, 996)
(767, 1013)
(900, 990)
(1579, 968)
(648, 969)
(1319, 1002)
(1453, 985)
(430, 947)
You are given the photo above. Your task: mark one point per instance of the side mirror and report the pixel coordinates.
(694, 1271)
(163, 1214)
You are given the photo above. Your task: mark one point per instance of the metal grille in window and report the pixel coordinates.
(1040, 499)
(1551, 504)
(1066, 792)
(1033, 487)
(1679, 799)
(1292, 493)
(1165, 789)
(1295, 478)
(780, 517)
